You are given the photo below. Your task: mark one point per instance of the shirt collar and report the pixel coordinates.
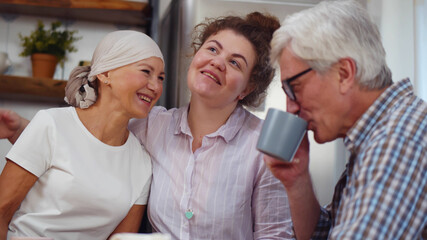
(375, 112)
(227, 131)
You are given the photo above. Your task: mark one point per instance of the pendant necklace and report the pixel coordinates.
(189, 214)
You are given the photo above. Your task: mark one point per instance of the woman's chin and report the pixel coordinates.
(140, 114)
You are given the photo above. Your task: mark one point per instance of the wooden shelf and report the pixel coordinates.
(106, 11)
(32, 89)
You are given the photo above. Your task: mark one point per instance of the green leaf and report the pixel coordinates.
(53, 41)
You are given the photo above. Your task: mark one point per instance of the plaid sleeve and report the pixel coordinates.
(323, 225)
(389, 184)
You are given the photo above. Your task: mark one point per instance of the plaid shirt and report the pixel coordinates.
(382, 193)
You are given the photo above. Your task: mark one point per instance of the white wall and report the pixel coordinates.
(420, 28)
(395, 19)
(403, 27)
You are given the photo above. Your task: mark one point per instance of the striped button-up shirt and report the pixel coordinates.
(383, 192)
(221, 191)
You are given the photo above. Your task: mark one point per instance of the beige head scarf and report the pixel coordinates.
(115, 50)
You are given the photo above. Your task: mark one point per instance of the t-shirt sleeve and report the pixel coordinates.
(145, 175)
(34, 148)
(143, 198)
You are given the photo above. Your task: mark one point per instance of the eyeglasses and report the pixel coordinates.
(286, 84)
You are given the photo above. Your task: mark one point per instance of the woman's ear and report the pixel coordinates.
(103, 78)
(245, 92)
(347, 72)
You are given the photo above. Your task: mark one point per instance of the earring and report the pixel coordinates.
(106, 82)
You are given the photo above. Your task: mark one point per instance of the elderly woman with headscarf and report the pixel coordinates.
(77, 172)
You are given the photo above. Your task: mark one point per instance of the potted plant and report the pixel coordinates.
(48, 47)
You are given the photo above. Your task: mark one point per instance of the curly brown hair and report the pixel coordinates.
(258, 29)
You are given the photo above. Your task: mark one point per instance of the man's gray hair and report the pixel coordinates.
(333, 30)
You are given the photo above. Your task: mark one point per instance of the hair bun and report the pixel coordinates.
(264, 21)
(78, 78)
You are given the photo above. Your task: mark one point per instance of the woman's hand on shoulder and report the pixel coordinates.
(11, 125)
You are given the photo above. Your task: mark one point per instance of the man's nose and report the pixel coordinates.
(292, 106)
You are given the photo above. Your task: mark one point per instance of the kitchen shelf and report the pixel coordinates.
(105, 11)
(32, 89)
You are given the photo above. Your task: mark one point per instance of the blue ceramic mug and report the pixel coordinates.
(281, 134)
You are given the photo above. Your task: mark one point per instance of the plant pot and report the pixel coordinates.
(43, 65)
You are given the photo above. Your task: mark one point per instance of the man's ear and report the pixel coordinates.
(347, 73)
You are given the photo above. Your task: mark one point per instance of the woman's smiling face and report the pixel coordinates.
(138, 86)
(221, 68)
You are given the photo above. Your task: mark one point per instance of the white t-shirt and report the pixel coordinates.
(85, 187)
